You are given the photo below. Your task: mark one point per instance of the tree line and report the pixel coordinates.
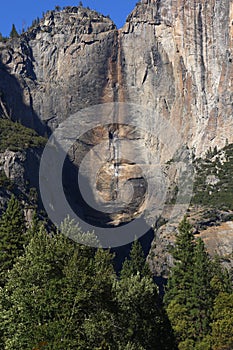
(58, 294)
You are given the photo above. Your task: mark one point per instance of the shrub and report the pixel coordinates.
(16, 137)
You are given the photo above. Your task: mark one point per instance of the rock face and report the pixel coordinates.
(219, 240)
(174, 57)
(60, 65)
(21, 177)
(178, 59)
(216, 232)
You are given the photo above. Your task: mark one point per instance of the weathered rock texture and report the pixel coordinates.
(60, 64)
(215, 231)
(21, 168)
(178, 59)
(173, 56)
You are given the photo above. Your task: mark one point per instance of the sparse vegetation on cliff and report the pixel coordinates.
(13, 33)
(16, 137)
(213, 186)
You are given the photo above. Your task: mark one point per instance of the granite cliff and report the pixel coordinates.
(172, 56)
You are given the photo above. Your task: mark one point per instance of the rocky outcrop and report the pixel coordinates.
(212, 226)
(20, 175)
(60, 64)
(178, 60)
(12, 165)
(219, 240)
(173, 57)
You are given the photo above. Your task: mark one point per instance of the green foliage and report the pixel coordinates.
(204, 344)
(182, 274)
(63, 295)
(73, 231)
(221, 281)
(142, 322)
(58, 293)
(193, 285)
(202, 296)
(179, 317)
(218, 193)
(136, 264)
(2, 38)
(5, 182)
(12, 237)
(137, 296)
(13, 33)
(16, 137)
(222, 326)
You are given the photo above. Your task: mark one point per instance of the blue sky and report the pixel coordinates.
(22, 12)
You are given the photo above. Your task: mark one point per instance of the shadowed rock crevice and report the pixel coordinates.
(13, 104)
(117, 180)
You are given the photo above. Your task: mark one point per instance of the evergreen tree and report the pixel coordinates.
(71, 229)
(143, 322)
(222, 326)
(101, 322)
(12, 237)
(184, 288)
(202, 295)
(13, 33)
(180, 281)
(136, 263)
(59, 294)
(192, 287)
(221, 281)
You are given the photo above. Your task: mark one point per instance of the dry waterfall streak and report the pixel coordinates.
(128, 164)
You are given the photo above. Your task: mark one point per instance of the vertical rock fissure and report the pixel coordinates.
(3, 109)
(201, 44)
(118, 96)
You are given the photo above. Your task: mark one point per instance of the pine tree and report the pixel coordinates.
(222, 319)
(60, 294)
(136, 262)
(183, 289)
(141, 317)
(222, 326)
(12, 237)
(180, 281)
(141, 320)
(202, 296)
(192, 287)
(221, 281)
(13, 33)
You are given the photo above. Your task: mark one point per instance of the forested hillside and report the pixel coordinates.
(57, 294)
